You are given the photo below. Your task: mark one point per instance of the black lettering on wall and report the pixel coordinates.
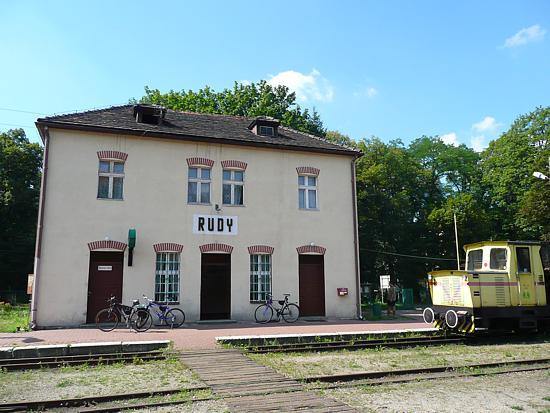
(210, 224)
(201, 224)
(220, 224)
(229, 224)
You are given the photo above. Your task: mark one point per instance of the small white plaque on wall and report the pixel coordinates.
(215, 224)
(105, 268)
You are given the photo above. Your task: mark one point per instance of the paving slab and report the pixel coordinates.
(201, 336)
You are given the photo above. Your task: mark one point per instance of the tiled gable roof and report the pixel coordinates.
(191, 126)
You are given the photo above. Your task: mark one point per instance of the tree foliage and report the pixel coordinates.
(254, 99)
(20, 163)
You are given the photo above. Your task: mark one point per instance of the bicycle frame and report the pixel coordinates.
(161, 312)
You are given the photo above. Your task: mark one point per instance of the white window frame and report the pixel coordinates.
(307, 188)
(260, 278)
(233, 184)
(266, 127)
(200, 181)
(171, 289)
(111, 175)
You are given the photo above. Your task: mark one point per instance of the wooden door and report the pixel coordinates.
(312, 285)
(104, 280)
(215, 286)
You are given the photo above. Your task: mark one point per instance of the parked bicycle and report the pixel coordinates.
(170, 317)
(136, 317)
(288, 311)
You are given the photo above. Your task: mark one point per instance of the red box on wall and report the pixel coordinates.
(342, 291)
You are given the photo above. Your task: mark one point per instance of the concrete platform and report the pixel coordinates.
(203, 336)
(80, 349)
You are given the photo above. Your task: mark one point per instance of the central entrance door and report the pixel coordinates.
(312, 285)
(215, 286)
(104, 280)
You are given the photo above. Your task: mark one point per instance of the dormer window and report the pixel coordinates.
(265, 126)
(267, 130)
(150, 114)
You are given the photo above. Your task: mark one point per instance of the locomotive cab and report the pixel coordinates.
(505, 286)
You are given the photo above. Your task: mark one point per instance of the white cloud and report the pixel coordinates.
(307, 87)
(372, 92)
(245, 82)
(488, 124)
(450, 139)
(527, 35)
(479, 143)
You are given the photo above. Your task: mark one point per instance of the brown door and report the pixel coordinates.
(104, 280)
(312, 285)
(216, 287)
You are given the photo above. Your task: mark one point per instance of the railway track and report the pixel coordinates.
(92, 359)
(100, 403)
(356, 344)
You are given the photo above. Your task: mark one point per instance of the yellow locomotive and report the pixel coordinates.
(506, 286)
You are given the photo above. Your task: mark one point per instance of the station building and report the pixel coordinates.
(209, 213)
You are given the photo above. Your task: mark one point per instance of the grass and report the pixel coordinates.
(14, 318)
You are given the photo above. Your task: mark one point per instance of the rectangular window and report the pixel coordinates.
(498, 259)
(233, 187)
(267, 131)
(475, 260)
(260, 277)
(111, 180)
(524, 260)
(198, 186)
(167, 277)
(307, 192)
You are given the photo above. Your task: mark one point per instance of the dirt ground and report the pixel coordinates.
(525, 392)
(300, 365)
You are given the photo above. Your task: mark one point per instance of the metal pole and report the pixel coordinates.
(456, 241)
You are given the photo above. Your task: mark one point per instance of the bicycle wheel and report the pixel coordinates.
(106, 319)
(263, 314)
(141, 320)
(175, 318)
(291, 313)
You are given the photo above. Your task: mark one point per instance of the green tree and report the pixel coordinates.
(20, 163)
(339, 138)
(518, 202)
(392, 190)
(255, 99)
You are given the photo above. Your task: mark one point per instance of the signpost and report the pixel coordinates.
(384, 285)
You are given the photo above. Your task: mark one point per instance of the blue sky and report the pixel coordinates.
(395, 69)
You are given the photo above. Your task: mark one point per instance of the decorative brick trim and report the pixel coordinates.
(168, 247)
(311, 249)
(112, 155)
(104, 245)
(234, 165)
(216, 247)
(260, 249)
(308, 170)
(200, 162)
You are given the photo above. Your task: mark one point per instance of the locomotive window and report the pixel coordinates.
(498, 258)
(524, 261)
(475, 260)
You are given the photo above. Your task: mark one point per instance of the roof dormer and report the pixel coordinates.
(265, 126)
(150, 114)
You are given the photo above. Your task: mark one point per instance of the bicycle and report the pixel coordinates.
(172, 317)
(288, 311)
(136, 317)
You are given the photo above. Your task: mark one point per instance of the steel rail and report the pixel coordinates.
(423, 370)
(355, 344)
(342, 380)
(91, 400)
(57, 361)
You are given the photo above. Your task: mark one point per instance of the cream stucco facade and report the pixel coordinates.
(155, 204)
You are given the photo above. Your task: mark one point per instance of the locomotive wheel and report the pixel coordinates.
(428, 315)
(451, 318)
